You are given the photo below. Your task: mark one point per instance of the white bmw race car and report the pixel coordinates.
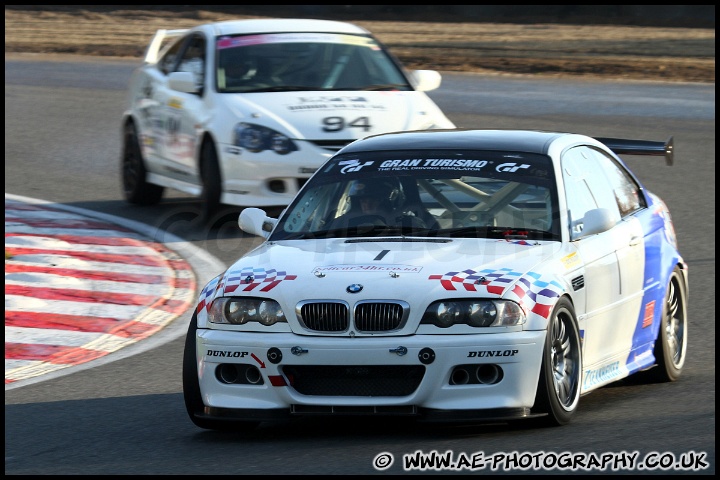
(243, 112)
(457, 275)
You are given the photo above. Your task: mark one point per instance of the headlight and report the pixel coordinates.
(476, 313)
(241, 310)
(256, 138)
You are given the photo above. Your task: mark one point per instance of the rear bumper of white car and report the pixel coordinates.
(256, 376)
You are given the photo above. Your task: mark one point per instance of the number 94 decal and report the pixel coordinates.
(336, 124)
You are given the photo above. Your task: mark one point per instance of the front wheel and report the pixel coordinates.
(136, 189)
(671, 343)
(558, 392)
(211, 182)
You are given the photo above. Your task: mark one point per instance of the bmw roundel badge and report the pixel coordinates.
(354, 288)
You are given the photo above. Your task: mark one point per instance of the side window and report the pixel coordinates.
(193, 60)
(312, 213)
(576, 173)
(626, 191)
(170, 57)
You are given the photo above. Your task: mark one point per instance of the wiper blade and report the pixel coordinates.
(334, 233)
(371, 231)
(303, 88)
(366, 230)
(281, 88)
(386, 86)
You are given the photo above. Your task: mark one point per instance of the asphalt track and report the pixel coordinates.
(82, 287)
(128, 417)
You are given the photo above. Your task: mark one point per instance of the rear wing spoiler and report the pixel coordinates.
(640, 147)
(158, 41)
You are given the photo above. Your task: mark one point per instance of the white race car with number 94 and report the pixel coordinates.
(243, 112)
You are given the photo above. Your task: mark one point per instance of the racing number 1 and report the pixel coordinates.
(335, 124)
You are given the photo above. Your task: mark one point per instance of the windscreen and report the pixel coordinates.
(476, 194)
(305, 61)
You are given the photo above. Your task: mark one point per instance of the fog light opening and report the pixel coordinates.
(277, 186)
(488, 374)
(459, 376)
(227, 373)
(252, 375)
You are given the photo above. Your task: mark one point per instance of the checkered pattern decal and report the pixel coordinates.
(493, 281)
(537, 295)
(534, 294)
(208, 293)
(250, 278)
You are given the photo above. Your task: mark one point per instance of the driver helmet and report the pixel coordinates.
(237, 66)
(388, 191)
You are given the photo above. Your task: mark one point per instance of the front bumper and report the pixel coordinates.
(267, 178)
(250, 375)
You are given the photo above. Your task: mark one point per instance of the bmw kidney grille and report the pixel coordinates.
(368, 316)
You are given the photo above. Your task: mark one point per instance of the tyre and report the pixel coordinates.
(191, 389)
(136, 189)
(671, 343)
(211, 182)
(558, 392)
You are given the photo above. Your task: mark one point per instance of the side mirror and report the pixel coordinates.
(425, 80)
(183, 82)
(597, 221)
(255, 222)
